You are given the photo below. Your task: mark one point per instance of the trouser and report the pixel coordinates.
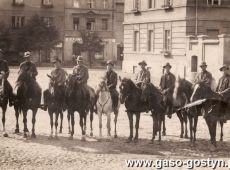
(115, 97)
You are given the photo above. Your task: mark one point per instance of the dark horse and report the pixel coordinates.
(77, 100)
(28, 97)
(55, 100)
(130, 95)
(3, 103)
(181, 96)
(214, 108)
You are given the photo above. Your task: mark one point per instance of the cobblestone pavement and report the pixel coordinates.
(17, 152)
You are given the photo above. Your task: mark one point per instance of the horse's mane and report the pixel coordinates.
(130, 82)
(188, 86)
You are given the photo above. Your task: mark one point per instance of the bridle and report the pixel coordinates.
(103, 88)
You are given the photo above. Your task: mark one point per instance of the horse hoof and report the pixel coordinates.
(91, 134)
(135, 140)
(221, 140)
(83, 139)
(25, 135)
(5, 135)
(163, 133)
(60, 131)
(33, 135)
(26, 130)
(69, 132)
(16, 131)
(181, 136)
(115, 136)
(186, 136)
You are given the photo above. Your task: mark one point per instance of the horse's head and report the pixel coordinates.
(200, 91)
(126, 88)
(53, 86)
(102, 86)
(70, 82)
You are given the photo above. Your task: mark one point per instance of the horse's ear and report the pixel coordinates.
(120, 78)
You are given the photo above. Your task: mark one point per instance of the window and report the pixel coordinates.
(91, 3)
(18, 2)
(48, 20)
(150, 40)
(151, 4)
(212, 33)
(105, 4)
(104, 24)
(214, 2)
(136, 41)
(194, 64)
(75, 23)
(18, 21)
(167, 40)
(76, 4)
(136, 4)
(90, 24)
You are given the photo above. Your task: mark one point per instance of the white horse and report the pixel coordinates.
(105, 106)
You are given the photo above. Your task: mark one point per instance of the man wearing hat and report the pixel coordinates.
(30, 69)
(4, 73)
(111, 82)
(143, 76)
(204, 75)
(58, 74)
(167, 85)
(81, 74)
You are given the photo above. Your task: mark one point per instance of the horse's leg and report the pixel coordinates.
(164, 128)
(25, 123)
(33, 123)
(3, 122)
(213, 123)
(72, 124)
(130, 116)
(179, 115)
(91, 122)
(100, 124)
(17, 124)
(185, 124)
(61, 115)
(221, 128)
(51, 125)
(56, 124)
(191, 127)
(82, 126)
(115, 124)
(159, 122)
(207, 120)
(195, 127)
(68, 118)
(137, 126)
(154, 129)
(108, 124)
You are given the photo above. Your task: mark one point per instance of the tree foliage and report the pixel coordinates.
(90, 43)
(36, 35)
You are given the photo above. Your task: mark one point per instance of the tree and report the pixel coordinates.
(91, 43)
(36, 35)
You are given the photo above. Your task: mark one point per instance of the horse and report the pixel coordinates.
(181, 96)
(130, 95)
(105, 106)
(55, 104)
(3, 103)
(212, 107)
(77, 100)
(28, 97)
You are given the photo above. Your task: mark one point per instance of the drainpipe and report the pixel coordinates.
(196, 29)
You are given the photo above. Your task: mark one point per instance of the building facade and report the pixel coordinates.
(105, 17)
(15, 14)
(157, 31)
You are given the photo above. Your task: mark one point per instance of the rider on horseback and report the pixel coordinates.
(29, 69)
(111, 82)
(4, 73)
(58, 76)
(167, 85)
(81, 75)
(204, 75)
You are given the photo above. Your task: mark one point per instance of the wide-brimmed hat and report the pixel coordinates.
(79, 58)
(110, 62)
(167, 65)
(142, 63)
(203, 64)
(27, 54)
(224, 67)
(56, 59)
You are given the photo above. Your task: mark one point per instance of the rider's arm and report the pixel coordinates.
(114, 82)
(34, 71)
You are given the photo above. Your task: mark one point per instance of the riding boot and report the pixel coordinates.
(9, 90)
(45, 94)
(114, 96)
